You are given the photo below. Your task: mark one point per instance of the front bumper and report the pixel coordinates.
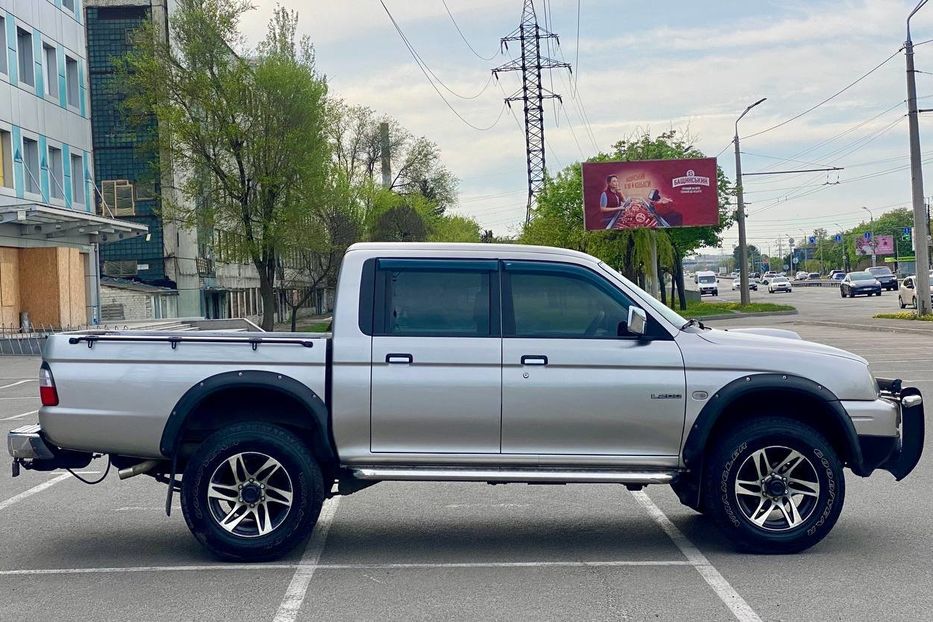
(897, 454)
(29, 450)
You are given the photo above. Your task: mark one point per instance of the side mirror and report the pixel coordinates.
(637, 321)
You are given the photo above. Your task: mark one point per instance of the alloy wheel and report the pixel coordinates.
(250, 494)
(777, 488)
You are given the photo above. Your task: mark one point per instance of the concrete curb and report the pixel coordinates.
(732, 316)
(910, 330)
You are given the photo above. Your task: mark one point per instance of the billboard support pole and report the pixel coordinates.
(654, 282)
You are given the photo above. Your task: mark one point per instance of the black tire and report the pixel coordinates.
(729, 456)
(900, 302)
(842, 292)
(262, 440)
(915, 302)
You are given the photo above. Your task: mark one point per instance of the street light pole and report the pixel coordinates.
(921, 223)
(740, 212)
(874, 243)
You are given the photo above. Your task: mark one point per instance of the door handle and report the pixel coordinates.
(397, 358)
(534, 359)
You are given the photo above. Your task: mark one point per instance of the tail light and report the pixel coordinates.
(47, 391)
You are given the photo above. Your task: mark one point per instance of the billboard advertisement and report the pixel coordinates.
(650, 194)
(884, 245)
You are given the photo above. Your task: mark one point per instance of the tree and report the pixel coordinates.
(450, 228)
(245, 131)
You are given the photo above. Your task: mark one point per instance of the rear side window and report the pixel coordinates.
(432, 298)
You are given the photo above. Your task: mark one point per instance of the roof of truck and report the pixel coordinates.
(485, 249)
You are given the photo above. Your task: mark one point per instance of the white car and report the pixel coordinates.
(779, 284)
(802, 276)
(752, 284)
(907, 293)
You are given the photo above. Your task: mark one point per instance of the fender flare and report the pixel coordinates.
(699, 432)
(245, 379)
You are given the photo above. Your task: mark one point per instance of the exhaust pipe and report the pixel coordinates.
(137, 469)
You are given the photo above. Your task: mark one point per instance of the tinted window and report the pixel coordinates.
(565, 304)
(707, 279)
(861, 276)
(880, 271)
(436, 303)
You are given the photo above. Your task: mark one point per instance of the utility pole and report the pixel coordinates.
(921, 221)
(532, 94)
(384, 148)
(740, 212)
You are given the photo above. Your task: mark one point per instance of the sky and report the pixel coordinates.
(648, 65)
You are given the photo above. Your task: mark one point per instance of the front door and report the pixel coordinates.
(436, 357)
(573, 380)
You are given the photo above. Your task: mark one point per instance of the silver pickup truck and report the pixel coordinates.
(475, 363)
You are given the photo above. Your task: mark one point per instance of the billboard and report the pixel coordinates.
(650, 194)
(884, 245)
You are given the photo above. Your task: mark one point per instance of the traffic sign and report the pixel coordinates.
(867, 235)
(812, 239)
(837, 238)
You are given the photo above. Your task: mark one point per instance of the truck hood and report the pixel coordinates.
(773, 339)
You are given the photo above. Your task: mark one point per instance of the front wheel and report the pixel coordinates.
(774, 485)
(251, 492)
(900, 302)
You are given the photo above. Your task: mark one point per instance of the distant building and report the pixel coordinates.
(49, 231)
(210, 280)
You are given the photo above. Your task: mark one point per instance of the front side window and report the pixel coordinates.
(56, 173)
(566, 302)
(77, 179)
(434, 302)
(51, 70)
(71, 81)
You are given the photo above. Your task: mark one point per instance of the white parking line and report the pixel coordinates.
(34, 490)
(7, 386)
(31, 412)
(298, 587)
(312, 567)
(740, 609)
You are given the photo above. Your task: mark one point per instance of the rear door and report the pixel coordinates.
(572, 381)
(436, 357)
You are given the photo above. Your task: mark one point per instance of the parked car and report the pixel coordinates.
(859, 283)
(802, 276)
(769, 274)
(907, 293)
(752, 284)
(884, 276)
(779, 284)
(553, 369)
(837, 275)
(754, 275)
(707, 283)
(814, 276)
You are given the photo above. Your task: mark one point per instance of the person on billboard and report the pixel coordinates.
(611, 201)
(641, 213)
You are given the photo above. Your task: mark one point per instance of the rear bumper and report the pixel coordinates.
(29, 449)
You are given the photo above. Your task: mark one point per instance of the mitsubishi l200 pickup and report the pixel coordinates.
(475, 363)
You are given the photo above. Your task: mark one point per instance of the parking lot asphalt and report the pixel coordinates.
(413, 551)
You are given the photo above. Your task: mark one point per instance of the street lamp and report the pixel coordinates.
(740, 215)
(921, 221)
(873, 241)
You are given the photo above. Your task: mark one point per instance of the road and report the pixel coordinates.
(472, 551)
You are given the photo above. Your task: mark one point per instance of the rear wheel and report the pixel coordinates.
(900, 302)
(251, 492)
(774, 485)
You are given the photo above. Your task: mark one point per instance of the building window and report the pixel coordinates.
(31, 162)
(3, 54)
(51, 70)
(56, 173)
(27, 72)
(77, 179)
(69, 5)
(6, 159)
(71, 80)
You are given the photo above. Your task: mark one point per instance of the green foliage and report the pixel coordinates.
(450, 228)
(558, 219)
(905, 315)
(705, 309)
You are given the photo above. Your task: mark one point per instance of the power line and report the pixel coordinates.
(422, 67)
(828, 99)
(462, 36)
(576, 61)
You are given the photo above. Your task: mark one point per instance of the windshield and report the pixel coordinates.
(707, 279)
(861, 276)
(669, 314)
(780, 279)
(880, 271)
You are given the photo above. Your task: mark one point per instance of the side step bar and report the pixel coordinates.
(528, 476)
